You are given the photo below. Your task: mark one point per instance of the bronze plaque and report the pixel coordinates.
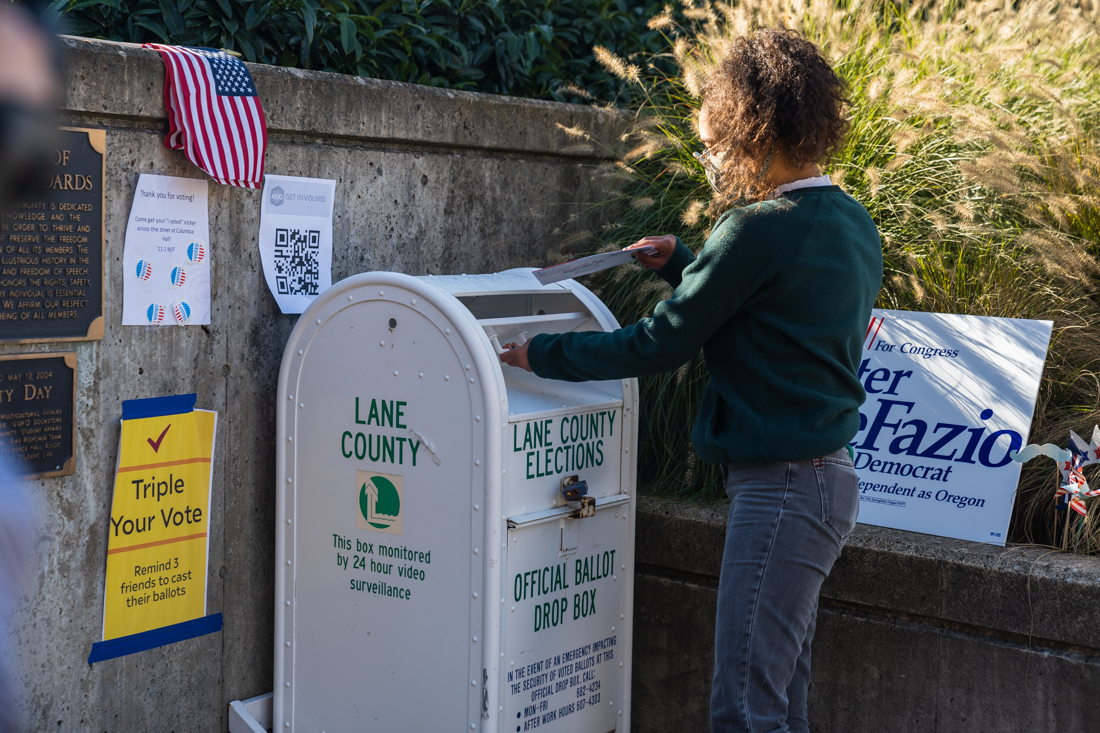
(51, 249)
(37, 404)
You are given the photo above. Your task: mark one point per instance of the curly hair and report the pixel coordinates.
(773, 94)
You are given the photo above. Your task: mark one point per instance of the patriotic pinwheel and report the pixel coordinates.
(1071, 461)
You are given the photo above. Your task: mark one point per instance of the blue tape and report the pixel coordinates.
(157, 406)
(153, 638)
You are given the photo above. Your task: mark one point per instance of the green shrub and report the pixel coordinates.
(973, 147)
(519, 47)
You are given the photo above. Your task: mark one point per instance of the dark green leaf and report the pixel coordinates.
(347, 34)
(85, 3)
(309, 19)
(172, 18)
(154, 26)
(424, 39)
(77, 27)
(246, 46)
(481, 53)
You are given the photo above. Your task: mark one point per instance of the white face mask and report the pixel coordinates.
(712, 166)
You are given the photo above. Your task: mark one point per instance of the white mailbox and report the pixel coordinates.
(455, 538)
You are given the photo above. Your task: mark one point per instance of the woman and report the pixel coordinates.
(779, 299)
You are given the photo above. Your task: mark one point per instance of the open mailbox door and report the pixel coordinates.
(455, 538)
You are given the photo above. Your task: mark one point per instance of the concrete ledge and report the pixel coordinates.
(316, 103)
(915, 632)
(1029, 593)
(1024, 592)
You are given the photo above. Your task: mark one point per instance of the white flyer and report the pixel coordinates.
(296, 238)
(166, 257)
(949, 398)
(590, 264)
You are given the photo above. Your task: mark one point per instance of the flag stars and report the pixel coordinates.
(231, 78)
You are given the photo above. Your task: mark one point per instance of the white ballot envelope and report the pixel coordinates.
(586, 265)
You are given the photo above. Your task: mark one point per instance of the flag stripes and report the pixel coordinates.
(214, 114)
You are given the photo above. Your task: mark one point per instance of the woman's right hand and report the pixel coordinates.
(664, 245)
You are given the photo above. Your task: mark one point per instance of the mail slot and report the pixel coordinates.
(455, 537)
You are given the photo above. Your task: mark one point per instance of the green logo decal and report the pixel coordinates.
(379, 502)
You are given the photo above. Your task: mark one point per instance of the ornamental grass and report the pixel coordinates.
(974, 146)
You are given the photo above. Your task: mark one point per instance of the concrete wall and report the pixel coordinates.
(428, 181)
(915, 633)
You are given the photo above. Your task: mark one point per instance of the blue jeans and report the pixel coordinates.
(787, 524)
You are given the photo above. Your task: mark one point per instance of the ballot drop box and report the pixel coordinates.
(455, 537)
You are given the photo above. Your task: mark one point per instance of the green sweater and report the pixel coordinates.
(779, 300)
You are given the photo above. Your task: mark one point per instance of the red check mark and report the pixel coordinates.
(156, 443)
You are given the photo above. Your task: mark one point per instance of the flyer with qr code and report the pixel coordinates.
(166, 257)
(296, 238)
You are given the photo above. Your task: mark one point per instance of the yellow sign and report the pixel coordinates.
(157, 541)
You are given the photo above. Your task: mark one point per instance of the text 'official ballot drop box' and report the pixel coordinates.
(455, 537)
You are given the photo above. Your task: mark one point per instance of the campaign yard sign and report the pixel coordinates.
(949, 399)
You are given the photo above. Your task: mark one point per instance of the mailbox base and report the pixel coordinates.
(252, 715)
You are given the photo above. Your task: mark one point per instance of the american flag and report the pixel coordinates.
(214, 115)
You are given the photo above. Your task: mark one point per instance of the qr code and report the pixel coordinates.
(297, 261)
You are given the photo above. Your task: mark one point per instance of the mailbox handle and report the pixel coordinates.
(495, 341)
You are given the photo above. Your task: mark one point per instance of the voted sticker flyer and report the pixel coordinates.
(166, 257)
